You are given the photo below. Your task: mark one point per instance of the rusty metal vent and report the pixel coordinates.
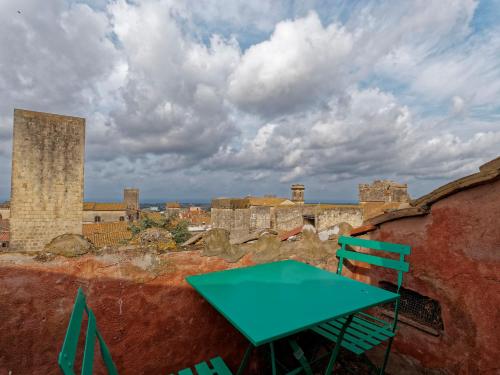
(419, 308)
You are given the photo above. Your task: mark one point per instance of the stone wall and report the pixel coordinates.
(352, 215)
(260, 218)
(4, 213)
(240, 223)
(287, 218)
(237, 221)
(455, 260)
(383, 191)
(131, 199)
(47, 178)
(106, 216)
(221, 218)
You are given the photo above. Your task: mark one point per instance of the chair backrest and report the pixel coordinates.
(399, 265)
(67, 355)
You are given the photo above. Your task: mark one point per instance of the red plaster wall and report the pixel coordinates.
(152, 324)
(456, 260)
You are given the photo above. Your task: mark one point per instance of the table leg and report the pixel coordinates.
(244, 361)
(273, 360)
(336, 350)
(298, 353)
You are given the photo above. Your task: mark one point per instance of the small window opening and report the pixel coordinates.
(122, 218)
(417, 308)
(97, 219)
(309, 220)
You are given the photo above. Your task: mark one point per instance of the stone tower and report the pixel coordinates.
(381, 196)
(47, 178)
(298, 193)
(131, 198)
(386, 191)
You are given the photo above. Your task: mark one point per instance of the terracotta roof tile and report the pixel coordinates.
(107, 234)
(286, 235)
(104, 206)
(109, 239)
(94, 228)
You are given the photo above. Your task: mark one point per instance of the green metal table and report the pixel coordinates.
(274, 300)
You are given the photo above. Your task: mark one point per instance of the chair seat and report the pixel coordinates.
(218, 368)
(364, 332)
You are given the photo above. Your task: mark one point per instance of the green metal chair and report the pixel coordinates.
(366, 331)
(67, 355)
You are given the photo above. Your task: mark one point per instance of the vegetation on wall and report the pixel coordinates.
(179, 229)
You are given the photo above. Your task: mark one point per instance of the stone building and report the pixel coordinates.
(298, 193)
(382, 195)
(4, 210)
(128, 210)
(172, 209)
(246, 215)
(131, 199)
(47, 178)
(4, 234)
(97, 212)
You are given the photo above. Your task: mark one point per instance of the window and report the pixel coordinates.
(122, 218)
(4, 244)
(97, 219)
(416, 308)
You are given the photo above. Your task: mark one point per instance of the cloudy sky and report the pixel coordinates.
(191, 100)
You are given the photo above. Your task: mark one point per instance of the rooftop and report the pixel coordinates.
(104, 206)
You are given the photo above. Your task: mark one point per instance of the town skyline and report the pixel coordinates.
(192, 102)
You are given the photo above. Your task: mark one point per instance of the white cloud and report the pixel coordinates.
(301, 63)
(172, 89)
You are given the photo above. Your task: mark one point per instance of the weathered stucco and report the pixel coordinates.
(455, 260)
(152, 320)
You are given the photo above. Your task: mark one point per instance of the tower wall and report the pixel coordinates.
(131, 198)
(298, 193)
(47, 178)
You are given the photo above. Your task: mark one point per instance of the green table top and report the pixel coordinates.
(274, 300)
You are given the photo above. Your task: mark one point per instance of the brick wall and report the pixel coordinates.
(47, 178)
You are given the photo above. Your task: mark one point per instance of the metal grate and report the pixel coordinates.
(416, 307)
